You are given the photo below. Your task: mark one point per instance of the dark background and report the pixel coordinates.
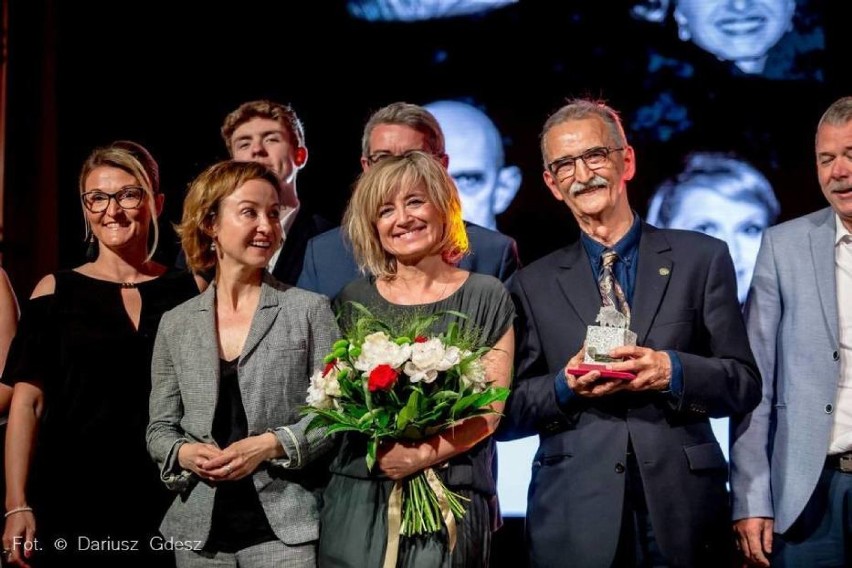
(165, 73)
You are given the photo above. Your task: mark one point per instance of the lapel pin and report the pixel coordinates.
(664, 271)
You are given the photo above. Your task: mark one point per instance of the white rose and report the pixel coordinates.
(317, 396)
(332, 384)
(429, 358)
(452, 357)
(416, 374)
(428, 354)
(378, 349)
(473, 375)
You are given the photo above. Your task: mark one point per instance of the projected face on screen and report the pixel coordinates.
(475, 149)
(418, 10)
(724, 197)
(739, 31)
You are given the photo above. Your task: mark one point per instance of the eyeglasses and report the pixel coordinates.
(594, 158)
(129, 197)
(379, 156)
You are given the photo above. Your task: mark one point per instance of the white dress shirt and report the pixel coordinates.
(841, 436)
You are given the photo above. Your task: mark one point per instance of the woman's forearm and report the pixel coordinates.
(21, 435)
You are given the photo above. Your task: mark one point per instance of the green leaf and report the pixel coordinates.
(445, 395)
(402, 340)
(382, 418)
(452, 333)
(410, 411)
(464, 402)
(335, 428)
(371, 453)
(478, 400)
(368, 416)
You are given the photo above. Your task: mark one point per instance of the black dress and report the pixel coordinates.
(353, 523)
(92, 482)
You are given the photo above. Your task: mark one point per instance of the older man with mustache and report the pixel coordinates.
(628, 472)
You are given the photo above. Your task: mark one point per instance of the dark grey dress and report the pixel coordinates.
(353, 524)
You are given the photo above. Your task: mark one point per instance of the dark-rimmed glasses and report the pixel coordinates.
(594, 158)
(129, 197)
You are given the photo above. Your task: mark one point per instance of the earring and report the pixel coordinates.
(92, 248)
(212, 246)
(682, 26)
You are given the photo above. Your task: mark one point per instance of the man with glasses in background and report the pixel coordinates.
(392, 131)
(628, 471)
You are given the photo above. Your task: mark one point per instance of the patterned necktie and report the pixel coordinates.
(611, 292)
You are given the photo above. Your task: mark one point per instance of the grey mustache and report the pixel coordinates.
(579, 186)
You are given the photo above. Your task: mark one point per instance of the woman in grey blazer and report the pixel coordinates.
(230, 372)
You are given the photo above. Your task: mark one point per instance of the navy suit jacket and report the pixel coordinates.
(330, 265)
(685, 300)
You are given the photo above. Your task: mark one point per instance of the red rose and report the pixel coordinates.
(382, 378)
(421, 339)
(329, 367)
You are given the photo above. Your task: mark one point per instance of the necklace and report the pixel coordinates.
(128, 284)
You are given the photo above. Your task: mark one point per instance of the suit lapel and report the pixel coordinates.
(578, 284)
(652, 278)
(822, 239)
(208, 352)
(264, 316)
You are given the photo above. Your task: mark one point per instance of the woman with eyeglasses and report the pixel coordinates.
(230, 372)
(80, 488)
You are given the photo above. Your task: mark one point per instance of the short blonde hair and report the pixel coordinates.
(137, 161)
(377, 185)
(201, 207)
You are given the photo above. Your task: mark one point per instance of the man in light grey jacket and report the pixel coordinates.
(791, 458)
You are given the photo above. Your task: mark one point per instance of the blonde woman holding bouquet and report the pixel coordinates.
(404, 222)
(229, 373)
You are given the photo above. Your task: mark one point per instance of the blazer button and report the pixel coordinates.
(619, 468)
(835, 356)
(829, 409)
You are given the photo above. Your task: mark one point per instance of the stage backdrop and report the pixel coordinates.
(701, 77)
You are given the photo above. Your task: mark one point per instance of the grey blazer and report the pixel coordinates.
(778, 451)
(290, 333)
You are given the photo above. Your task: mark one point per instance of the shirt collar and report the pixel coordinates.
(841, 233)
(287, 219)
(626, 247)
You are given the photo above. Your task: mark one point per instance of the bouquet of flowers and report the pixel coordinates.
(395, 381)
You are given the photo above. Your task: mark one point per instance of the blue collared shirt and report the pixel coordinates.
(627, 249)
(624, 271)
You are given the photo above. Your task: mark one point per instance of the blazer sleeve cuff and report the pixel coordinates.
(172, 474)
(564, 394)
(675, 389)
(292, 457)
